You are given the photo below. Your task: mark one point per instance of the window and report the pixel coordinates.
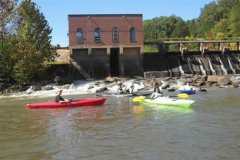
(132, 34)
(115, 35)
(97, 35)
(79, 35)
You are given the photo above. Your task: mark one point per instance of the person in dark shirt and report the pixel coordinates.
(59, 98)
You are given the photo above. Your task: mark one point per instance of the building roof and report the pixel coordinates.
(101, 15)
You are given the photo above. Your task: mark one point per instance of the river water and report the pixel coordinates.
(121, 129)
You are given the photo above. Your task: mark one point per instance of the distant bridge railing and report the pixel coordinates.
(194, 40)
(183, 45)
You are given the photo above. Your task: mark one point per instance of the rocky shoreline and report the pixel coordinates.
(173, 83)
(140, 83)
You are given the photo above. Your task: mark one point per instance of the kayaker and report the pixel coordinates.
(188, 87)
(59, 98)
(156, 91)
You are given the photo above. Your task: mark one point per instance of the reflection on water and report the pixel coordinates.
(121, 129)
(138, 109)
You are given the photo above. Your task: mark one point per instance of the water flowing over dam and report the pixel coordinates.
(170, 59)
(205, 61)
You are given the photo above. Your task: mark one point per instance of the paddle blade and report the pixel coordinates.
(183, 95)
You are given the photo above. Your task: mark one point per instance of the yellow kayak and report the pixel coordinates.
(138, 99)
(183, 95)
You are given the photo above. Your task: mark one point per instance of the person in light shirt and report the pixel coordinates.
(156, 92)
(186, 87)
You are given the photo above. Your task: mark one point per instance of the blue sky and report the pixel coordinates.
(56, 11)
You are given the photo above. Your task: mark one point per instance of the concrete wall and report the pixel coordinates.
(84, 59)
(63, 55)
(131, 62)
(101, 62)
(97, 62)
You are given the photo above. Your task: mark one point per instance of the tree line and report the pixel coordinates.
(25, 42)
(218, 19)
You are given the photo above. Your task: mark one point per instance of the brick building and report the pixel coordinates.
(102, 44)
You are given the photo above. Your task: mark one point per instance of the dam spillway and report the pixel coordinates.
(131, 61)
(203, 62)
(197, 64)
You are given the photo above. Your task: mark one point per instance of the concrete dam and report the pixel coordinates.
(205, 58)
(203, 62)
(173, 64)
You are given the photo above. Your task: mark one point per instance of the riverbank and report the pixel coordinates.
(168, 84)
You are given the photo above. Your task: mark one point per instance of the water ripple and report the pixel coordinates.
(118, 130)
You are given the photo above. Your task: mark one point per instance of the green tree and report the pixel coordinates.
(7, 61)
(221, 29)
(150, 31)
(192, 27)
(7, 8)
(208, 18)
(224, 7)
(7, 13)
(33, 42)
(235, 20)
(180, 29)
(217, 19)
(164, 27)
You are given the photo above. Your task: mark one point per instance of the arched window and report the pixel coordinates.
(115, 35)
(97, 35)
(79, 35)
(132, 34)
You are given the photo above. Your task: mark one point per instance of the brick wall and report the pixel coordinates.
(88, 23)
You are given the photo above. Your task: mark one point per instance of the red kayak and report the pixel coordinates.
(74, 103)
